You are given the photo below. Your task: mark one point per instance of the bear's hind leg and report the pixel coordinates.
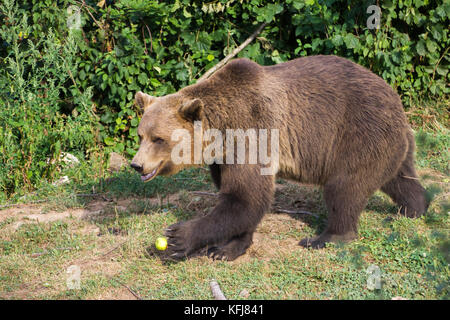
(406, 191)
(344, 203)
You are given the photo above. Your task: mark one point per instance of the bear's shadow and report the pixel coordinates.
(304, 203)
(300, 202)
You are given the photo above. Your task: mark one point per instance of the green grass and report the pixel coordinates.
(410, 254)
(433, 150)
(113, 248)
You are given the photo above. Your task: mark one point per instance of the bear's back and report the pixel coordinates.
(335, 84)
(239, 72)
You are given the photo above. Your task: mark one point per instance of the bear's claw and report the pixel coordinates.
(230, 250)
(184, 241)
(179, 240)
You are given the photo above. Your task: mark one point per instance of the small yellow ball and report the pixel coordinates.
(161, 243)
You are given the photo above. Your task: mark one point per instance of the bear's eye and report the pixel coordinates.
(157, 140)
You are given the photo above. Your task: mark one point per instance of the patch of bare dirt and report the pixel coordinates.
(287, 195)
(26, 291)
(265, 246)
(291, 195)
(37, 213)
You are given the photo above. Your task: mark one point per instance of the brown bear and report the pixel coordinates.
(340, 126)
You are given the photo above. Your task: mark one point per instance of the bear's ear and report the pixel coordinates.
(143, 100)
(191, 110)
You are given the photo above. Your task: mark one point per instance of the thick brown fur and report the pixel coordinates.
(340, 126)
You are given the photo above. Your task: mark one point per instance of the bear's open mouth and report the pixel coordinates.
(149, 176)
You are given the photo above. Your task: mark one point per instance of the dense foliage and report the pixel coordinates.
(71, 89)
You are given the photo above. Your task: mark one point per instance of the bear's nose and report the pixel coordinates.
(136, 167)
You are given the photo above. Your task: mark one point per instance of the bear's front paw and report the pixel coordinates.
(180, 240)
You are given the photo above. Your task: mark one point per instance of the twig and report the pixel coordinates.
(216, 292)
(84, 5)
(151, 39)
(437, 64)
(295, 212)
(38, 254)
(143, 39)
(73, 79)
(128, 288)
(118, 246)
(102, 195)
(202, 193)
(407, 177)
(18, 204)
(208, 73)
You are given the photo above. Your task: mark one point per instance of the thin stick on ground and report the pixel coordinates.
(38, 254)
(279, 210)
(101, 195)
(20, 204)
(114, 248)
(202, 193)
(208, 73)
(128, 288)
(408, 177)
(216, 292)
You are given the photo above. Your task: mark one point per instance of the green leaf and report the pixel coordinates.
(420, 48)
(119, 147)
(82, 75)
(154, 82)
(337, 40)
(442, 70)
(109, 141)
(186, 13)
(158, 69)
(131, 152)
(431, 45)
(298, 4)
(142, 78)
(110, 67)
(433, 88)
(351, 41)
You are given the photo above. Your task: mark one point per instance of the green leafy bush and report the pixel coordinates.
(42, 111)
(161, 46)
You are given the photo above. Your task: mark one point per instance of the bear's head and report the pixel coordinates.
(162, 115)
